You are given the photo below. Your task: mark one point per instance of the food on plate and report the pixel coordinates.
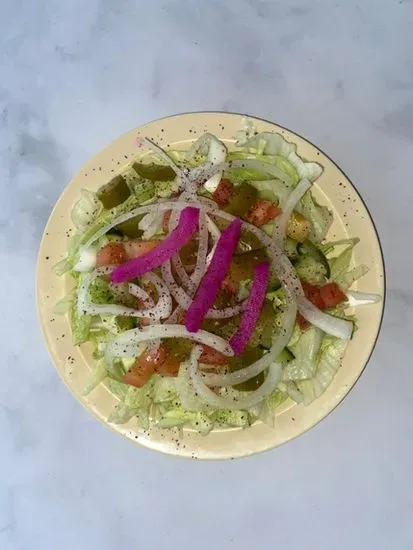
(207, 284)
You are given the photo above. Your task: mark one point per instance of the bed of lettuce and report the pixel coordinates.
(314, 356)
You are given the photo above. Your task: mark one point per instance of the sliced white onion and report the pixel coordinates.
(184, 278)
(211, 255)
(185, 301)
(208, 202)
(152, 221)
(280, 224)
(213, 228)
(282, 339)
(340, 328)
(216, 155)
(163, 308)
(87, 259)
(123, 350)
(153, 228)
(242, 402)
(147, 220)
(140, 293)
(355, 299)
(136, 336)
(215, 233)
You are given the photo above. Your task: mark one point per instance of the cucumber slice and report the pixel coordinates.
(311, 270)
(307, 248)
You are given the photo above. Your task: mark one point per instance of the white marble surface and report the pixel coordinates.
(75, 75)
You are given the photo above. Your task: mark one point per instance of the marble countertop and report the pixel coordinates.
(74, 76)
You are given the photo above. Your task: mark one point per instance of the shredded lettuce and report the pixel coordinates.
(144, 190)
(305, 351)
(180, 417)
(340, 264)
(64, 305)
(80, 323)
(228, 418)
(85, 210)
(95, 377)
(266, 411)
(165, 189)
(331, 356)
(122, 414)
(282, 163)
(320, 217)
(99, 292)
(119, 389)
(272, 144)
(346, 280)
(328, 247)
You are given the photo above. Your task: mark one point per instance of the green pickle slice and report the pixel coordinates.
(130, 228)
(154, 172)
(244, 197)
(178, 348)
(114, 193)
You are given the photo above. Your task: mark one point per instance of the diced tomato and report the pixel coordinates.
(325, 297)
(165, 220)
(112, 253)
(262, 212)
(223, 193)
(144, 366)
(312, 293)
(332, 295)
(139, 373)
(230, 286)
(211, 356)
(302, 323)
(169, 367)
(136, 248)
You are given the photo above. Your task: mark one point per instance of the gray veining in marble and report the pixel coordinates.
(74, 76)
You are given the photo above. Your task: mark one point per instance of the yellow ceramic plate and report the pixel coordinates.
(351, 218)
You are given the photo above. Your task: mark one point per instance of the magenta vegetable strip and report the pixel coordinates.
(253, 309)
(214, 276)
(171, 245)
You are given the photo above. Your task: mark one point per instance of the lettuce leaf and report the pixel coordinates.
(331, 356)
(305, 350)
(273, 144)
(320, 217)
(85, 210)
(80, 323)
